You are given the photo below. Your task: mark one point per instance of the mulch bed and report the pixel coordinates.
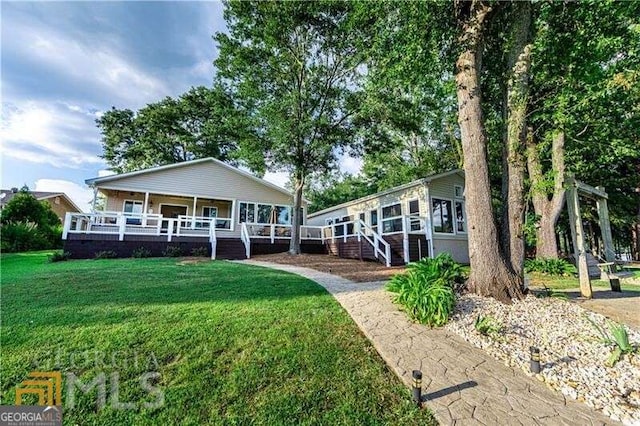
(354, 270)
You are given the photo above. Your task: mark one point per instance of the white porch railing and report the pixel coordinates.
(121, 224)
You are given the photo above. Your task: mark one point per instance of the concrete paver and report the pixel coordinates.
(461, 383)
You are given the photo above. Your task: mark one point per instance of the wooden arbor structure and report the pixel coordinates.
(575, 189)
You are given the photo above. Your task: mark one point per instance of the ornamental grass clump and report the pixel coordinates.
(426, 290)
(619, 339)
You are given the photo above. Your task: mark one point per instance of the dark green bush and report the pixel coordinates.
(21, 236)
(200, 252)
(59, 256)
(172, 251)
(105, 254)
(29, 224)
(141, 252)
(427, 289)
(550, 266)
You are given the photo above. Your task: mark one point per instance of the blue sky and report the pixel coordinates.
(63, 63)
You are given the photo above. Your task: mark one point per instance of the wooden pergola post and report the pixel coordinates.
(577, 233)
(605, 227)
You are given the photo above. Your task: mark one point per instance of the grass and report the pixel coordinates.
(233, 344)
(571, 283)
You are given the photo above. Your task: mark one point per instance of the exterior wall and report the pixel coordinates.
(354, 209)
(457, 243)
(443, 188)
(206, 180)
(60, 206)
(212, 183)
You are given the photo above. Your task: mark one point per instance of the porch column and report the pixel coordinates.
(145, 209)
(193, 213)
(95, 197)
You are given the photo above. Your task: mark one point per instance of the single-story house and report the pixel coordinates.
(202, 203)
(59, 201)
(418, 219)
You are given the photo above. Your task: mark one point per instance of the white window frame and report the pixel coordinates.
(464, 217)
(141, 202)
(452, 214)
(382, 219)
(417, 214)
(255, 210)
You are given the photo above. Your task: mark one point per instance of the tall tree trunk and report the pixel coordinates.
(490, 274)
(547, 209)
(296, 217)
(515, 145)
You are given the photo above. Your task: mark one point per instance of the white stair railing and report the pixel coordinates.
(246, 239)
(375, 242)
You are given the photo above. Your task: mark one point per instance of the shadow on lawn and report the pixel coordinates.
(600, 293)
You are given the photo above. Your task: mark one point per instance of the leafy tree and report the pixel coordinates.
(201, 123)
(334, 189)
(409, 111)
(292, 67)
(29, 224)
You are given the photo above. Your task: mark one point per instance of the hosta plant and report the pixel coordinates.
(487, 325)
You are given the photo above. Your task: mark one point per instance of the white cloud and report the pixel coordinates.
(278, 178)
(105, 172)
(350, 165)
(46, 133)
(99, 65)
(81, 195)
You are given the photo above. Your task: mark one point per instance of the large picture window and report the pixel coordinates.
(283, 215)
(414, 210)
(390, 220)
(442, 216)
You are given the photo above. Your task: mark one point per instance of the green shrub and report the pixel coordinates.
(172, 251)
(59, 256)
(427, 289)
(105, 254)
(141, 252)
(487, 325)
(22, 236)
(550, 267)
(200, 252)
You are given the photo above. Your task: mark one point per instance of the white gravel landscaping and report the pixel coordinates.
(571, 351)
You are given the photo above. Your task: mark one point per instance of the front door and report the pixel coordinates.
(171, 211)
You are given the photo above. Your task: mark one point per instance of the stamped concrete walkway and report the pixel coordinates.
(463, 385)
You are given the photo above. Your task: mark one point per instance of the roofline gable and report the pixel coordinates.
(421, 181)
(98, 180)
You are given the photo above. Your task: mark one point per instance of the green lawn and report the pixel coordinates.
(566, 283)
(233, 344)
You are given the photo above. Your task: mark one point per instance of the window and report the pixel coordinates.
(210, 211)
(388, 223)
(247, 212)
(373, 216)
(264, 213)
(442, 220)
(361, 216)
(391, 211)
(459, 191)
(461, 222)
(283, 215)
(414, 207)
(414, 210)
(132, 207)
